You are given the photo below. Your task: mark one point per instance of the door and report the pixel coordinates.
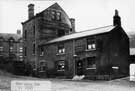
(79, 67)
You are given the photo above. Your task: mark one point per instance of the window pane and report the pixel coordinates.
(91, 62)
(33, 48)
(21, 49)
(1, 48)
(58, 16)
(91, 44)
(11, 49)
(60, 65)
(53, 14)
(61, 48)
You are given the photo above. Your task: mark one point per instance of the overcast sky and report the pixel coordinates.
(88, 14)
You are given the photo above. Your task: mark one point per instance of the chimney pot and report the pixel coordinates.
(30, 11)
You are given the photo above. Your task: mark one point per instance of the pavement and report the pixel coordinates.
(69, 85)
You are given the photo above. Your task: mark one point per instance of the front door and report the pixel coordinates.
(79, 67)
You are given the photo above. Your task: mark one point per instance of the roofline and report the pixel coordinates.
(75, 38)
(80, 37)
(37, 14)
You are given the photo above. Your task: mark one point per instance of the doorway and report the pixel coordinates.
(79, 67)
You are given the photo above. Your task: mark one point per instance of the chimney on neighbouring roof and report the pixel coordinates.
(72, 20)
(30, 10)
(19, 32)
(116, 19)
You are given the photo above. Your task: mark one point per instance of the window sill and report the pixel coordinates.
(90, 68)
(60, 70)
(90, 49)
(41, 71)
(60, 54)
(41, 55)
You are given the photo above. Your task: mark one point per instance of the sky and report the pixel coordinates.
(88, 14)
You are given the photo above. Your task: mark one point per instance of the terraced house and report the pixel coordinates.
(54, 49)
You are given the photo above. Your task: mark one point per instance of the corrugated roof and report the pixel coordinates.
(7, 36)
(83, 34)
(132, 51)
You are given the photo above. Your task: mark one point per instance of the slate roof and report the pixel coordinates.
(85, 33)
(7, 36)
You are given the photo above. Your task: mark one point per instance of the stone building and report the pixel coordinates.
(54, 48)
(11, 46)
(51, 23)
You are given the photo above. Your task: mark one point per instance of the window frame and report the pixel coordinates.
(25, 51)
(25, 34)
(61, 48)
(41, 50)
(11, 49)
(34, 32)
(53, 15)
(58, 16)
(34, 49)
(42, 64)
(92, 64)
(1, 48)
(59, 66)
(91, 42)
(20, 49)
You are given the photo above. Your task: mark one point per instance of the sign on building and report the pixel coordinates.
(30, 85)
(132, 72)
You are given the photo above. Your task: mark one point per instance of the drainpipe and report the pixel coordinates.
(74, 56)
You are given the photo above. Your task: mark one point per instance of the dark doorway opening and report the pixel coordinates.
(79, 67)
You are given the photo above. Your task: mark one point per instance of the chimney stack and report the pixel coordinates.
(30, 11)
(116, 19)
(72, 20)
(19, 32)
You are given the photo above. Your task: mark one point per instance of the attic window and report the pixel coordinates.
(53, 15)
(58, 16)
